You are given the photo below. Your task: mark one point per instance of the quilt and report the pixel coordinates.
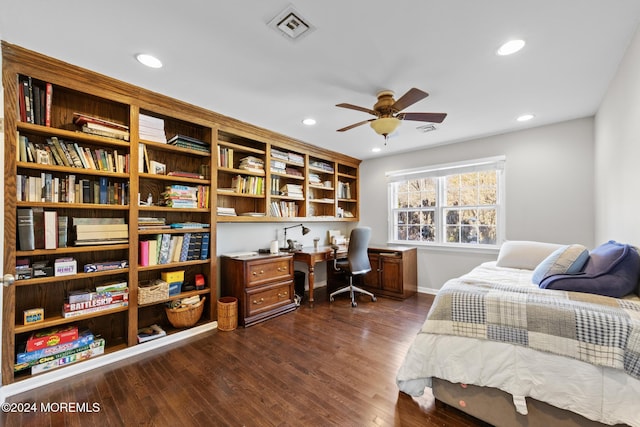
(599, 330)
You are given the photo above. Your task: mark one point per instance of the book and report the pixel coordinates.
(163, 256)
(50, 229)
(25, 229)
(150, 333)
(153, 252)
(143, 256)
(38, 227)
(204, 249)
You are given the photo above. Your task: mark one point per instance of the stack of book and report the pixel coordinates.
(222, 211)
(101, 127)
(324, 166)
(278, 166)
(100, 231)
(152, 223)
(150, 333)
(105, 297)
(184, 141)
(180, 196)
(56, 347)
(252, 164)
(293, 191)
(152, 129)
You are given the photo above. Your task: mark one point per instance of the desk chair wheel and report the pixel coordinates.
(374, 299)
(354, 304)
(331, 299)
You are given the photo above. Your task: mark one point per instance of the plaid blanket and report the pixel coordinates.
(599, 330)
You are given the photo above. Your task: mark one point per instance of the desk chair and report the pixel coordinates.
(356, 263)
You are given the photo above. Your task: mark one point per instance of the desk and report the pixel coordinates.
(311, 256)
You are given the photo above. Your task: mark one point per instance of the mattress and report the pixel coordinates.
(599, 393)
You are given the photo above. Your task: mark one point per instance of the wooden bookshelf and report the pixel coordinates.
(77, 90)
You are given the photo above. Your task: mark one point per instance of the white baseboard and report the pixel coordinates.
(107, 359)
(424, 290)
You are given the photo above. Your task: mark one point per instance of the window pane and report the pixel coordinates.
(456, 208)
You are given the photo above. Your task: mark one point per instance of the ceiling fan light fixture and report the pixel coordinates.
(385, 125)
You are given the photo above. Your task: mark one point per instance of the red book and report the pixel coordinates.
(144, 253)
(47, 105)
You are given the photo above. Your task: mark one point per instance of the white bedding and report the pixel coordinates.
(602, 394)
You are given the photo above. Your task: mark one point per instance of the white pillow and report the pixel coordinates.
(524, 254)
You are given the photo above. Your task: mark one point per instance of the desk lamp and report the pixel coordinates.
(289, 246)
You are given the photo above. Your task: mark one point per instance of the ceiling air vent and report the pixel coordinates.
(290, 24)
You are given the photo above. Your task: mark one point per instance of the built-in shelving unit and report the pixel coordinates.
(231, 166)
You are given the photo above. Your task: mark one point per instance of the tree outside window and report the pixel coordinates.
(459, 208)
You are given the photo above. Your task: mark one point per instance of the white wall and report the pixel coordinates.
(549, 194)
(617, 149)
(240, 237)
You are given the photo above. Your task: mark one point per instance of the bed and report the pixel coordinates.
(511, 346)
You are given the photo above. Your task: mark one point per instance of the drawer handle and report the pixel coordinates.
(283, 295)
(258, 302)
(255, 273)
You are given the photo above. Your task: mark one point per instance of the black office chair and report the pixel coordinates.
(356, 263)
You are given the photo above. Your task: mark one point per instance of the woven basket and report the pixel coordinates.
(227, 313)
(185, 317)
(153, 293)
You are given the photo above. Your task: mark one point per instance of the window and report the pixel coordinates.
(455, 204)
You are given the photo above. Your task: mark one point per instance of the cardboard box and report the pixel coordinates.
(51, 337)
(65, 267)
(175, 280)
(33, 315)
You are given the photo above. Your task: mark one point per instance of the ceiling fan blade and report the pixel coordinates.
(423, 117)
(355, 125)
(355, 107)
(412, 96)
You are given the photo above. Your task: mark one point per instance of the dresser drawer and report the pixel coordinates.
(269, 270)
(268, 297)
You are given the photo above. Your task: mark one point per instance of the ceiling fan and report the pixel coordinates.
(388, 112)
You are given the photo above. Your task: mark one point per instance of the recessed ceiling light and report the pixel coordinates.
(512, 46)
(525, 117)
(309, 121)
(149, 60)
(376, 149)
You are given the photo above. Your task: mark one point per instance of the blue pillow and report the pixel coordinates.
(568, 259)
(613, 270)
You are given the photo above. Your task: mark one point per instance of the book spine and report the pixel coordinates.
(25, 229)
(48, 102)
(50, 229)
(144, 253)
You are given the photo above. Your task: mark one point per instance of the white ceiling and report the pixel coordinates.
(221, 55)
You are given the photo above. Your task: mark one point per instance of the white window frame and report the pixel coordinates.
(440, 171)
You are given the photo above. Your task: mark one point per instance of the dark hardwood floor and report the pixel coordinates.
(330, 365)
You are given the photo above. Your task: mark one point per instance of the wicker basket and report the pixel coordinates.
(227, 313)
(157, 291)
(185, 317)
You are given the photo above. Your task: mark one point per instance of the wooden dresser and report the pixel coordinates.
(263, 285)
